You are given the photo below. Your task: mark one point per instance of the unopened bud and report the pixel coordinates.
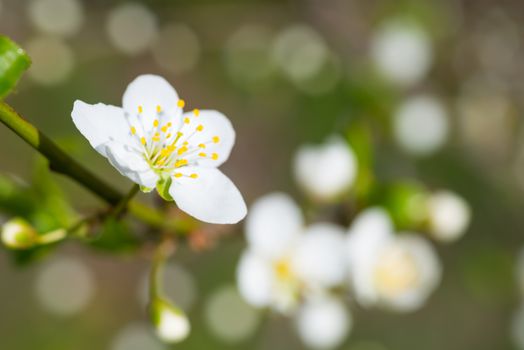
(171, 323)
(19, 234)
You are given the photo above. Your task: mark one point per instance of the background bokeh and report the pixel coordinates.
(285, 73)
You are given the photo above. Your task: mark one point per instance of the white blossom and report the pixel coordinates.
(154, 143)
(449, 216)
(394, 271)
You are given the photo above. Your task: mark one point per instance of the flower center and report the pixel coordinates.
(168, 145)
(396, 272)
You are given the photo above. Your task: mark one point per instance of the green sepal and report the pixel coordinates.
(13, 63)
(162, 187)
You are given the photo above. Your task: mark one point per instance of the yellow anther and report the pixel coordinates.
(185, 143)
(196, 112)
(155, 138)
(164, 128)
(179, 134)
(181, 103)
(216, 139)
(214, 156)
(180, 163)
(168, 135)
(133, 130)
(140, 109)
(202, 154)
(169, 124)
(155, 123)
(160, 162)
(200, 127)
(182, 150)
(143, 140)
(186, 120)
(178, 175)
(202, 146)
(158, 109)
(193, 176)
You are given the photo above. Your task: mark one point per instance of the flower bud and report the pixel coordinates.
(19, 234)
(171, 323)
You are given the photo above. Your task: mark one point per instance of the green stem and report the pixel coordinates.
(122, 205)
(61, 162)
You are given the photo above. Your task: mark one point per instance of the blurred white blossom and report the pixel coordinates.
(284, 261)
(420, 125)
(132, 28)
(323, 322)
(449, 216)
(402, 52)
(325, 171)
(177, 48)
(517, 327)
(397, 272)
(135, 336)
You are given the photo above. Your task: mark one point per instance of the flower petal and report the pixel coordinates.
(147, 93)
(211, 197)
(255, 279)
(274, 224)
(215, 138)
(131, 164)
(319, 258)
(323, 323)
(100, 124)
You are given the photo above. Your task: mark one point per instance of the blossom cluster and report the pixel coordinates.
(309, 271)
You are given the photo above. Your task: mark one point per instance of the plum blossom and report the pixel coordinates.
(154, 143)
(397, 272)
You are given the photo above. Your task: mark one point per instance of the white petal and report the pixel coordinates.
(320, 258)
(149, 92)
(214, 124)
(255, 279)
(370, 231)
(327, 170)
(273, 225)
(100, 124)
(131, 164)
(449, 216)
(323, 323)
(212, 197)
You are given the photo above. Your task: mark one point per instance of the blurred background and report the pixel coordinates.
(285, 73)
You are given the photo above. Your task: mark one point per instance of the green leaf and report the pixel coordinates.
(115, 236)
(163, 188)
(13, 63)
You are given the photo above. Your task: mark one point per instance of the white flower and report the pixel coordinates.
(420, 125)
(393, 271)
(285, 261)
(323, 322)
(449, 216)
(151, 141)
(402, 52)
(325, 171)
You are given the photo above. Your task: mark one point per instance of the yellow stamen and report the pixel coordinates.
(158, 109)
(133, 130)
(168, 136)
(164, 128)
(186, 120)
(214, 156)
(216, 139)
(193, 176)
(200, 127)
(180, 163)
(181, 103)
(182, 150)
(178, 175)
(202, 146)
(155, 123)
(140, 109)
(143, 140)
(196, 112)
(202, 154)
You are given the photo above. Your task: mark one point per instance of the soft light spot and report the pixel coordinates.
(136, 336)
(53, 60)
(57, 17)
